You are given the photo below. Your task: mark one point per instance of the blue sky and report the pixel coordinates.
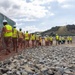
(39, 15)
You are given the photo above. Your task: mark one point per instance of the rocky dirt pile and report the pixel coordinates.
(49, 60)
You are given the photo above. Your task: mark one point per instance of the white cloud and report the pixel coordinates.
(66, 3)
(62, 1)
(19, 25)
(67, 6)
(40, 2)
(51, 14)
(24, 19)
(49, 7)
(21, 11)
(30, 19)
(31, 29)
(20, 8)
(31, 10)
(28, 10)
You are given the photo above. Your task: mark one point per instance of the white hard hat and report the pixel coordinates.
(4, 20)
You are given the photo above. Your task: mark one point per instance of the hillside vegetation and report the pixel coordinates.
(61, 30)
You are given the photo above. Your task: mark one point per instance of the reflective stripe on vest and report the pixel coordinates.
(26, 36)
(37, 37)
(46, 39)
(14, 33)
(68, 38)
(57, 37)
(8, 31)
(20, 34)
(40, 40)
(32, 37)
(51, 38)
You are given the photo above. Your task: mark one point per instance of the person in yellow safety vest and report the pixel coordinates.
(7, 35)
(37, 40)
(15, 38)
(63, 40)
(60, 40)
(68, 39)
(20, 38)
(23, 42)
(46, 40)
(27, 38)
(33, 39)
(51, 40)
(57, 39)
(40, 41)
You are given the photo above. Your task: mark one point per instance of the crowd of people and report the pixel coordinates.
(63, 39)
(17, 39)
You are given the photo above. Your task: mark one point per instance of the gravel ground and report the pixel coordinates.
(48, 60)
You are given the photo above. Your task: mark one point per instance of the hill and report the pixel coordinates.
(61, 30)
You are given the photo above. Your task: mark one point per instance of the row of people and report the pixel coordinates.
(18, 39)
(62, 40)
(59, 40)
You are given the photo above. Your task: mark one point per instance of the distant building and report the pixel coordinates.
(2, 17)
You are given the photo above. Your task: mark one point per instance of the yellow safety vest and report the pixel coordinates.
(15, 33)
(51, 38)
(63, 38)
(37, 37)
(40, 40)
(26, 36)
(68, 38)
(57, 37)
(32, 37)
(46, 39)
(20, 34)
(8, 32)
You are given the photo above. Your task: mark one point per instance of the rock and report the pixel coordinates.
(58, 73)
(48, 60)
(24, 73)
(65, 74)
(7, 62)
(28, 69)
(41, 61)
(67, 71)
(43, 69)
(38, 66)
(9, 73)
(5, 74)
(50, 72)
(4, 70)
(18, 72)
(1, 63)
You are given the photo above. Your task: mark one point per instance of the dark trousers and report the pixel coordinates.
(8, 42)
(33, 43)
(20, 42)
(14, 40)
(26, 43)
(37, 42)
